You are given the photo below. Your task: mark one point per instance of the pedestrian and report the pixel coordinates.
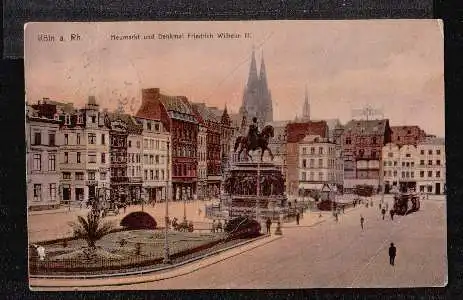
(336, 216)
(343, 211)
(383, 212)
(269, 224)
(297, 218)
(387, 206)
(213, 226)
(392, 214)
(380, 205)
(362, 220)
(392, 254)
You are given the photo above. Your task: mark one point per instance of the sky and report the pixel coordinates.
(396, 66)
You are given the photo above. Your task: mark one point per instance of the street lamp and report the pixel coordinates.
(258, 193)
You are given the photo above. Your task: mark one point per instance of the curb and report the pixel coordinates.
(305, 226)
(161, 276)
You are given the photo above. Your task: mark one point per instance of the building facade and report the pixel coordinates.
(179, 119)
(362, 145)
(431, 168)
(134, 159)
(319, 164)
(277, 144)
(296, 133)
(119, 180)
(399, 167)
(42, 152)
(202, 188)
(157, 160)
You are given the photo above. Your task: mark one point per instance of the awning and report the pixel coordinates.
(311, 186)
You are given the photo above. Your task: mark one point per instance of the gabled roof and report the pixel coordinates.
(176, 103)
(205, 113)
(297, 131)
(367, 126)
(132, 125)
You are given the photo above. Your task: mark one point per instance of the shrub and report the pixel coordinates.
(242, 227)
(138, 220)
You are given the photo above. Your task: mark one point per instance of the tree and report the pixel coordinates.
(91, 229)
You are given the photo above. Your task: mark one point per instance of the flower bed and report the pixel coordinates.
(142, 249)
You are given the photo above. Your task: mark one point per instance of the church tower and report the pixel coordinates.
(257, 100)
(306, 109)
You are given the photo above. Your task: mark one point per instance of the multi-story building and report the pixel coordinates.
(407, 135)
(319, 163)
(277, 144)
(399, 167)
(431, 176)
(156, 147)
(84, 151)
(118, 136)
(202, 153)
(295, 133)
(362, 143)
(42, 158)
(134, 158)
(177, 117)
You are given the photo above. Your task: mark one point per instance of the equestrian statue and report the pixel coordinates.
(255, 140)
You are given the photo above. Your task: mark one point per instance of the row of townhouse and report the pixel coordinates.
(420, 167)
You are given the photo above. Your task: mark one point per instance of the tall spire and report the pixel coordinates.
(252, 78)
(306, 109)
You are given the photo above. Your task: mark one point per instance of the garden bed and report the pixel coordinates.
(141, 249)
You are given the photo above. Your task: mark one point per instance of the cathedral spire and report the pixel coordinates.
(252, 78)
(306, 109)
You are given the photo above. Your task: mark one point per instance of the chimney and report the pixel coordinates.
(149, 96)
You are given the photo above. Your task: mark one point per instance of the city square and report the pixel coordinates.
(316, 166)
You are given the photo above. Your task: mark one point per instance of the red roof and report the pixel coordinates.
(150, 107)
(297, 131)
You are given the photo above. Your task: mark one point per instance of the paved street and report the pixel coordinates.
(335, 255)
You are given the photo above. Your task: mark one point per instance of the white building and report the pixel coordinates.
(84, 152)
(134, 158)
(430, 166)
(156, 160)
(320, 163)
(202, 162)
(42, 160)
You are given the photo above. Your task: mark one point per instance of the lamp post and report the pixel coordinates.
(258, 193)
(166, 229)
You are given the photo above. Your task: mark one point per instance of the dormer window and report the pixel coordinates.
(80, 119)
(148, 125)
(156, 127)
(67, 119)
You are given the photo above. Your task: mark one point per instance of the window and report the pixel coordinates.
(37, 192)
(93, 119)
(66, 157)
(408, 164)
(80, 119)
(407, 155)
(395, 163)
(67, 119)
(407, 174)
(157, 144)
(103, 176)
(412, 174)
(395, 173)
(151, 144)
(157, 175)
(422, 188)
(79, 176)
(162, 174)
(103, 158)
(430, 162)
(437, 174)
(403, 164)
(157, 159)
(66, 175)
(429, 173)
(151, 175)
(92, 158)
(37, 138)
(91, 175)
(438, 151)
(51, 162)
(37, 162)
(148, 125)
(421, 174)
(385, 163)
(312, 163)
(429, 188)
(320, 176)
(138, 144)
(146, 174)
(320, 163)
(430, 152)
(66, 139)
(438, 162)
(103, 139)
(385, 173)
(91, 138)
(145, 143)
(311, 176)
(133, 171)
(422, 153)
(403, 174)
(52, 189)
(412, 164)
(320, 150)
(78, 139)
(130, 144)
(303, 176)
(156, 127)
(78, 157)
(312, 150)
(422, 162)
(304, 150)
(348, 141)
(304, 163)
(373, 153)
(374, 140)
(151, 159)
(51, 139)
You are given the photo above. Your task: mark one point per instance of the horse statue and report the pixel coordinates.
(263, 138)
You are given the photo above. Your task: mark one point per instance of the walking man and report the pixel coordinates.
(383, 212)
(269, 224)
(362, 220)
(392, 214)
(297, 218)
(392, 254)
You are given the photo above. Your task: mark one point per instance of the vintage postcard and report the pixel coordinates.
(235, 155)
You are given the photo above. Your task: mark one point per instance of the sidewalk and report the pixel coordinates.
(38, 284)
